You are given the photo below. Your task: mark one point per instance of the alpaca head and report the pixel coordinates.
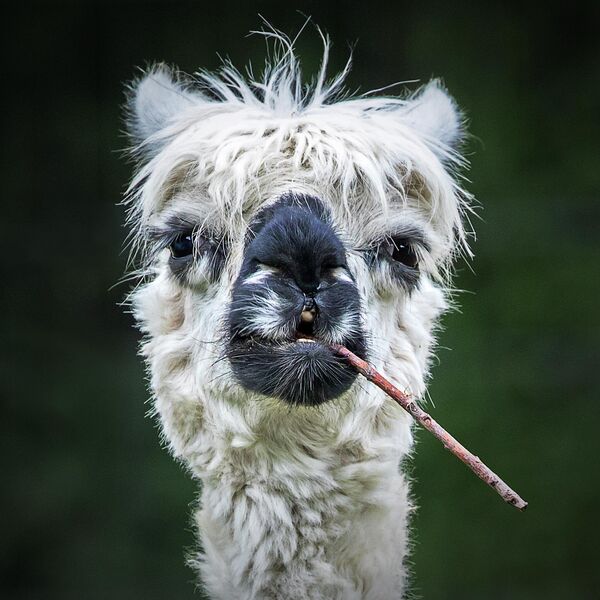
(266, 212)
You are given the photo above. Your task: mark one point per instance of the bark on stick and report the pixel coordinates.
(450, 443)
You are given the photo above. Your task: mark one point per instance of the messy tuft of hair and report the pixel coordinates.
(167, 112)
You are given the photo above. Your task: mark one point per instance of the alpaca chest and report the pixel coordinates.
(316, 530)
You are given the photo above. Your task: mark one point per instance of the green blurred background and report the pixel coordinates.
(92, 506)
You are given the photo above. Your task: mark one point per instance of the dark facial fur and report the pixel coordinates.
(294, 262)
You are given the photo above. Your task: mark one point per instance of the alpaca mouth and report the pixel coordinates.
(301, 370)
(305, 330)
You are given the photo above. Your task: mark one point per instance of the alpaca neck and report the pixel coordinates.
(301, 516)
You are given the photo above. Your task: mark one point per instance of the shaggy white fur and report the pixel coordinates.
(297, 502)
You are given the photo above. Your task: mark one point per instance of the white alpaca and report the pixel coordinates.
(302, 496)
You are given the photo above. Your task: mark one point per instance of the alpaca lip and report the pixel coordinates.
(299, 338)
(304, 338)
(299, 370)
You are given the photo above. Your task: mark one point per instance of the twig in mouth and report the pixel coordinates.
(450, 443)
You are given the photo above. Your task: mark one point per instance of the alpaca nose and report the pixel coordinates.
(296, 236)
(306, 272)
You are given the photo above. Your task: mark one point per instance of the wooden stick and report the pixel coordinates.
(450, 443)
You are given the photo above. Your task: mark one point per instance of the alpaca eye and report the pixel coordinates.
(182, 246)
(401, 251)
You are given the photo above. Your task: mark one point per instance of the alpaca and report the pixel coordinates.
(274, 218)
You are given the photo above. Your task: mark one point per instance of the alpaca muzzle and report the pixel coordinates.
(294, 295)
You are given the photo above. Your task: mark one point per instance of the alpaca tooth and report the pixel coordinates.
(307, 316)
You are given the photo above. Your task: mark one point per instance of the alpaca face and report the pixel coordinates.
(268, 220)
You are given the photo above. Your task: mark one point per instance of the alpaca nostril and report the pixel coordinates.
(309, 303)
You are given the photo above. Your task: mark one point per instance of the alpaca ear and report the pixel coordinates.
(154, 100)
(433, 112)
